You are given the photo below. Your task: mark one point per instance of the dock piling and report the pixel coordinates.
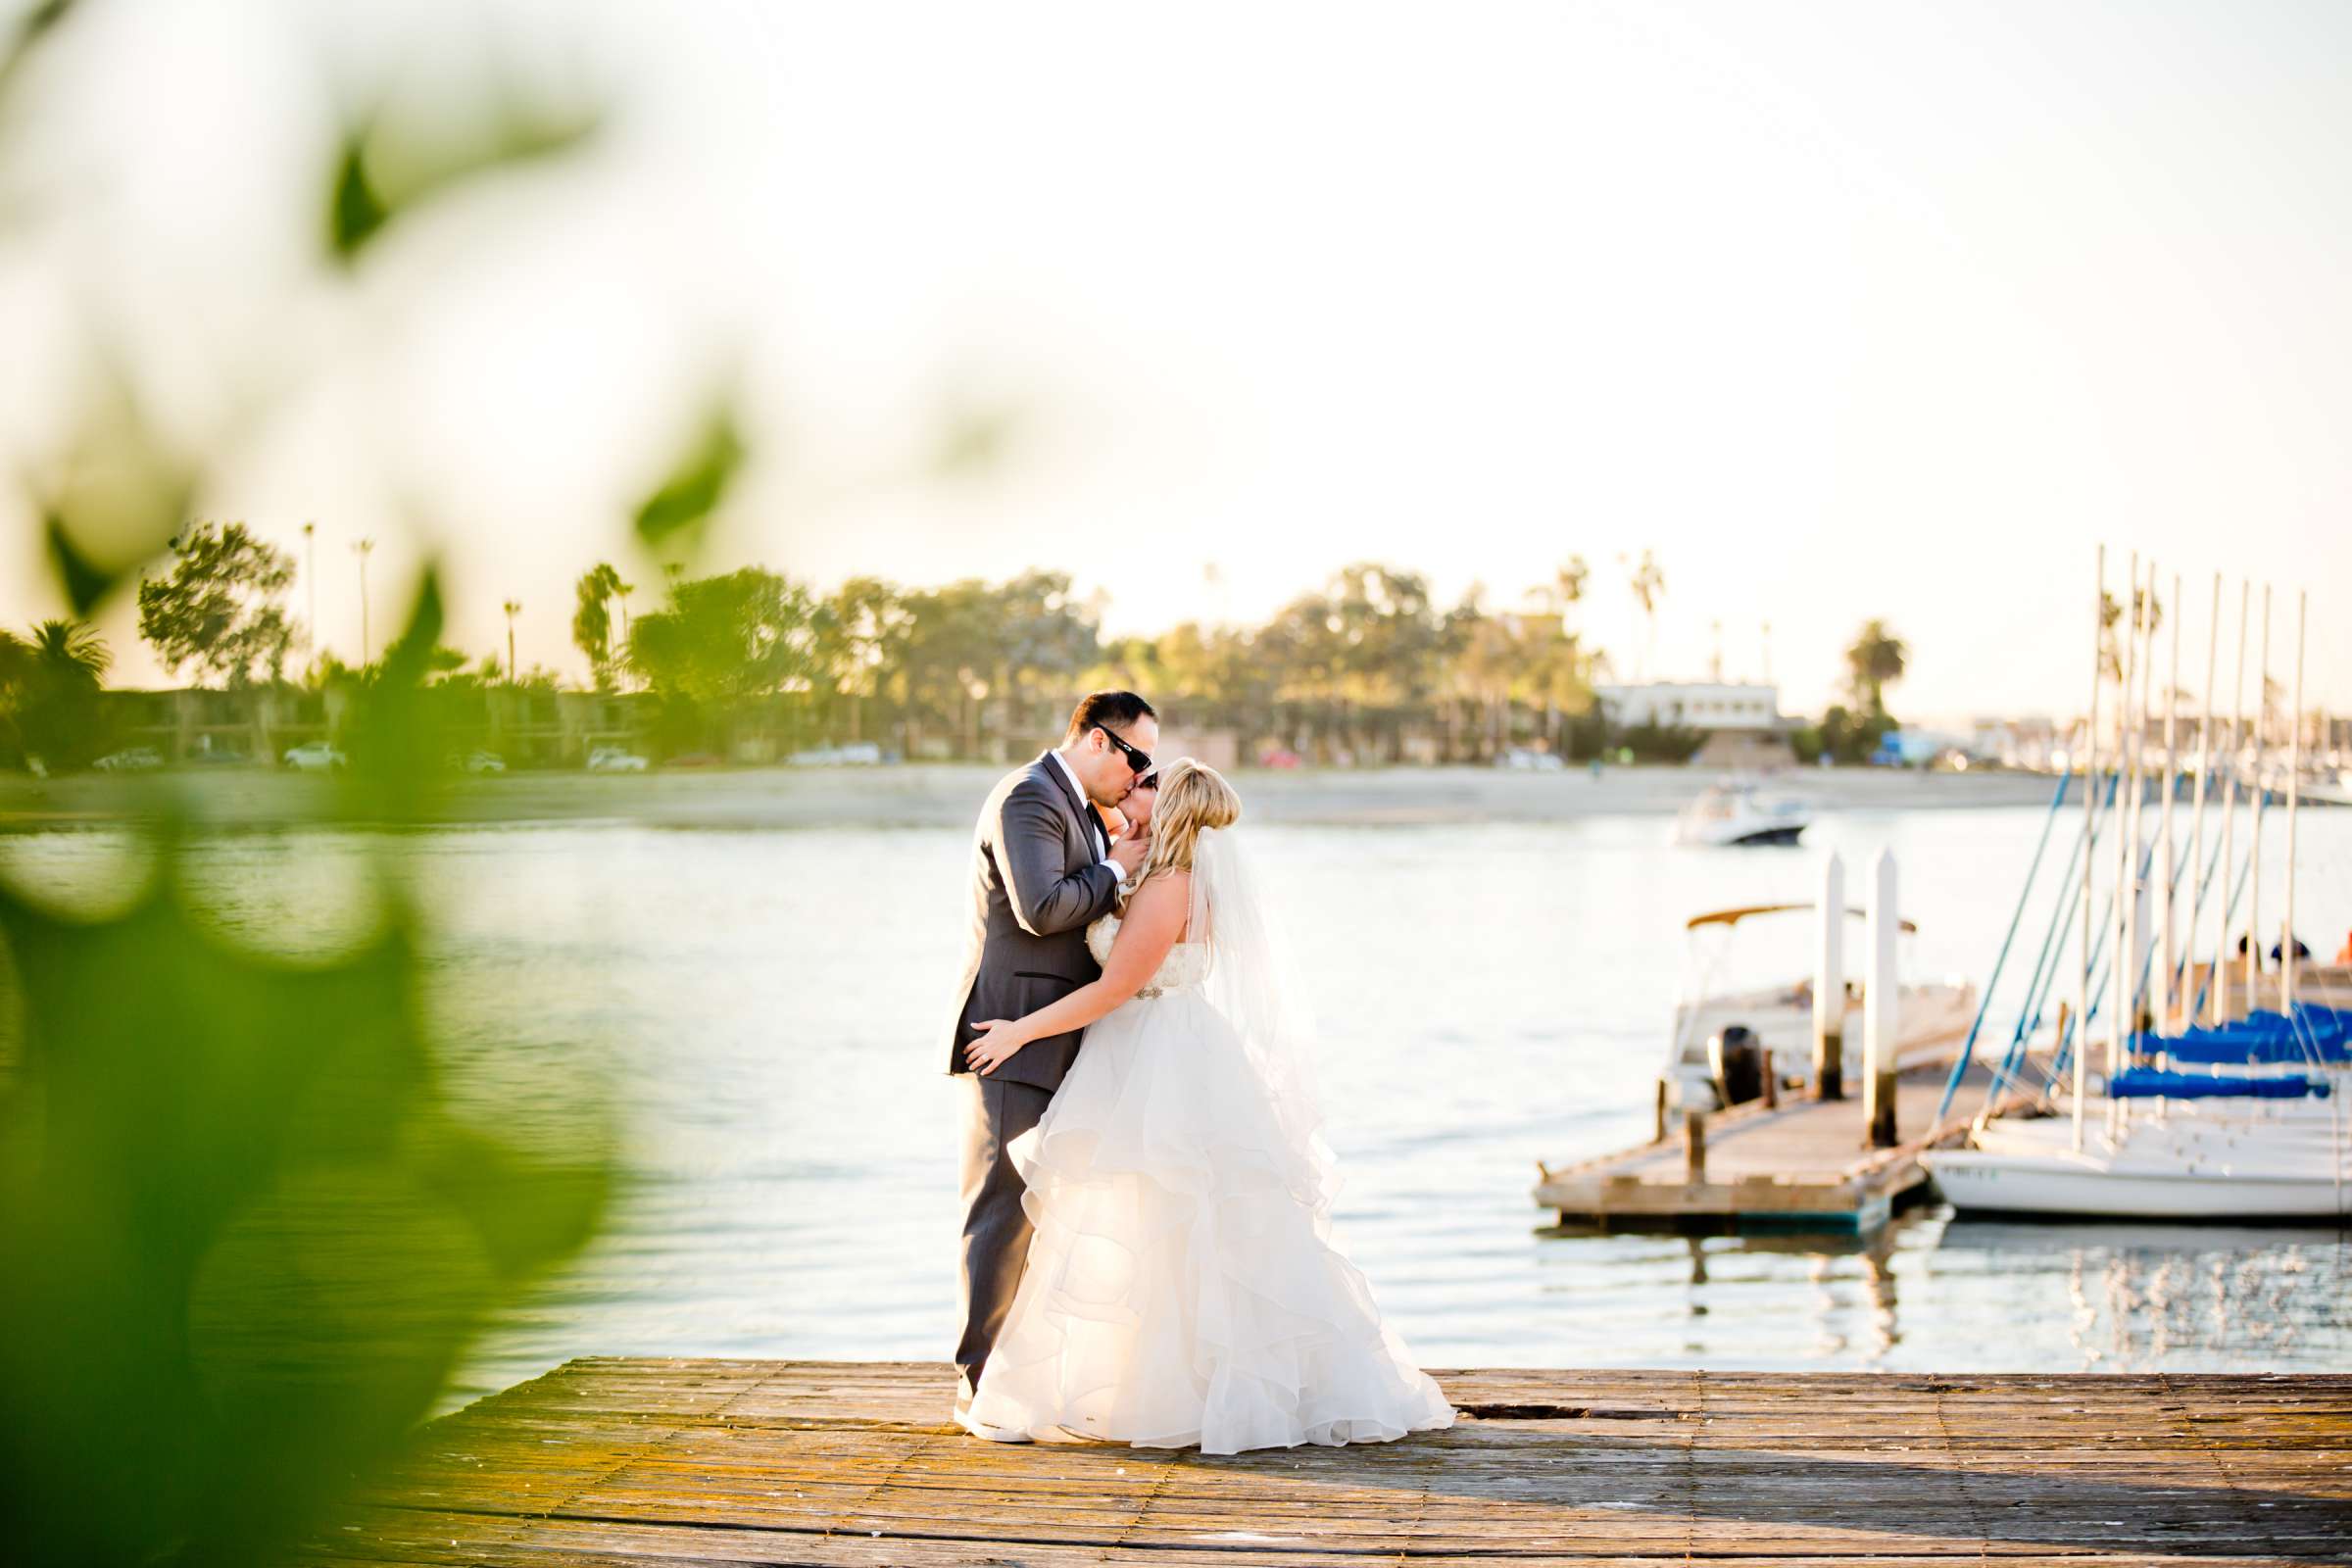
(1828, 985)
(1882, 1005)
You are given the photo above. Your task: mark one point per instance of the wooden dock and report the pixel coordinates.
(1804, 1164)
(608, 1461)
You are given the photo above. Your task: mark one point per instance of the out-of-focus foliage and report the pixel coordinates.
(1842, 735)
(391, 164)
(242, 1239)
(723, 640)
(37, 23)
(49, 701)
(1876, 661)
(1369, 670)
(113, 499)
(671, 518)
(592, 619)
(246, 1232)
(218, 609)
(973, 439)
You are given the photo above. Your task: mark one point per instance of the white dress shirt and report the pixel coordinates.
(1086, 804)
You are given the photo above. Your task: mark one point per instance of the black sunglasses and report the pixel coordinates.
(1137, 761)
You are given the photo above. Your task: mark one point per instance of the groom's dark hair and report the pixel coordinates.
(1113, 710)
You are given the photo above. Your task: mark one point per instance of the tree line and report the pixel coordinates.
(1368, 668)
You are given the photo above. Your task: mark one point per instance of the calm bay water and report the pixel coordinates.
(770, 1007)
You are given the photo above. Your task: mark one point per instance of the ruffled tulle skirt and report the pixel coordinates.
(1182, 1288)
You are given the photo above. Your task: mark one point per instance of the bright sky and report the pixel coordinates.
(1875, 309)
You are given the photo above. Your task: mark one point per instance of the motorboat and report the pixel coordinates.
(2322, 787)
(1932, 1016)
(1741, 813)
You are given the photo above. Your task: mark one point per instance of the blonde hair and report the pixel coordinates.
(1193, 796)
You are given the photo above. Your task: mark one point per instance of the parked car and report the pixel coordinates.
(855, 753)
(614, 759)
(480, 762)
(132, 760)
(1278, 756)
(317, 757)
(1522, 760)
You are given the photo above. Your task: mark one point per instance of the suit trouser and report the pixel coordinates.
(995, 1231)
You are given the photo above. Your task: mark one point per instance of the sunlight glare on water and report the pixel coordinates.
(771, 1009)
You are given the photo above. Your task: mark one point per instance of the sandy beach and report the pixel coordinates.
(946, 795)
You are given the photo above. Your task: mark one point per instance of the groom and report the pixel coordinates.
(1044, 869)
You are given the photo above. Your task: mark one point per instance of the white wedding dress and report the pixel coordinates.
(1182, 1288)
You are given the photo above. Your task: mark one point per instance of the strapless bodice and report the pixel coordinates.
(1187, 962)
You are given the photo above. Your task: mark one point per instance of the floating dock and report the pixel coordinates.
(685, 1463)
(1804, 1164)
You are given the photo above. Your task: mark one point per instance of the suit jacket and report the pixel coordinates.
(1038, 882)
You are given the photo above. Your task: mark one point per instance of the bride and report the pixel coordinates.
(1182, 1287)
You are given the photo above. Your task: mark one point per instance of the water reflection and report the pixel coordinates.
(2144, 1295)
(778, 994)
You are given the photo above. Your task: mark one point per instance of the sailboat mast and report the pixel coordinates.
(2262, 713)
(2136, 932)
(2294, 793)
(2126, 767)
(2219, 987)
(2172, 776)
(2196, 815)
(2090, 816)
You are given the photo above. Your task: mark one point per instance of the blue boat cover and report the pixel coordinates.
(2316, 1034)
(2146, 1083)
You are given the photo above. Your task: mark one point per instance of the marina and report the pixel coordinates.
(610, 1462)
(1803, 1165)
(2218, 1090)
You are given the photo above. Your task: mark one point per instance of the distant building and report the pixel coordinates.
(1741, 720)
(2034, 743)
(1694, 705)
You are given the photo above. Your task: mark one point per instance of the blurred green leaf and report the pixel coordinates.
(398, 736)
(116, 502)
(674, 515)
(243, 1239)
(973, 440)
(387, 167)
(355, 211)
(36, 24)
(85, 581)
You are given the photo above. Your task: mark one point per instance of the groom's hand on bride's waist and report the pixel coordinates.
(997, 1040)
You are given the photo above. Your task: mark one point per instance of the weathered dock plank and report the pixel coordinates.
(608, 1461)
(1803, 1165)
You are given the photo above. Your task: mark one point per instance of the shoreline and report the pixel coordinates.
(946, 795)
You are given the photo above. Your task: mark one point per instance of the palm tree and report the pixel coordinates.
(513, 608)
(1648, 583)
(2147, 615)
(71, 650)
(50, 684)
(1876, 661)
(1568, 583)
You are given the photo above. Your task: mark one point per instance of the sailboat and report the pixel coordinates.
(2211, 1105)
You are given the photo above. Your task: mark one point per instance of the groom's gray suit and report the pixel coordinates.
(1039, 879)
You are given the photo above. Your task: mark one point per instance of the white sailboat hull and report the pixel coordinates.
(2039, 1184)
